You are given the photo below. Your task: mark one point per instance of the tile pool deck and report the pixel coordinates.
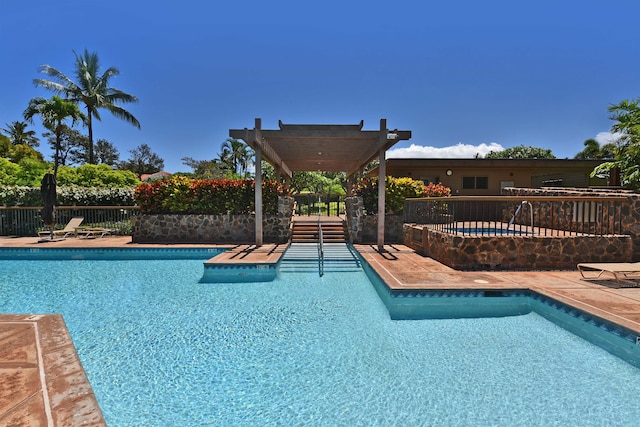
(42, 381)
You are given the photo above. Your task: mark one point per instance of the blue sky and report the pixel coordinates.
(464, 76)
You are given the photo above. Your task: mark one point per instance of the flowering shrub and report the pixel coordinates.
(396, 191)
(68, 195)
(217, 196)
(436, 190)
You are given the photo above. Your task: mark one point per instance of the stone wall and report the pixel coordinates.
(630, 210)
(516, 252)
(215, 229)
(364, 228)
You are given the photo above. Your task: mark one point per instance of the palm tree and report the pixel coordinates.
(91, 89)
(54, 113)
(591, 150)
(236, 155)
(18, 134)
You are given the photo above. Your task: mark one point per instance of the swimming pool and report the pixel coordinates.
(161, 348)
(489, 231)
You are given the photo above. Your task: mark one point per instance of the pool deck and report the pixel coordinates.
(42, 381)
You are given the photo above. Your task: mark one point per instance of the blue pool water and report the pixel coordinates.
(162, 349)
(491, 231)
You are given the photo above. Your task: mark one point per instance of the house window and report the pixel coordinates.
(475, 182)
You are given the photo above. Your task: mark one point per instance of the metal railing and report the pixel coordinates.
(528, 215)
(320, 250)
(26, 221)
(312, 204)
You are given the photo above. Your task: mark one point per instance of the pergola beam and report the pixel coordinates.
(255, 139)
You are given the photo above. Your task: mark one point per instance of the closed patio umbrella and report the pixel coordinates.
(48, 193)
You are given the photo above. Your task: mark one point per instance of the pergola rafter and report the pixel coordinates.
(324, 148)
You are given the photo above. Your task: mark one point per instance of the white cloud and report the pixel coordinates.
(607, 137)
(459, 151)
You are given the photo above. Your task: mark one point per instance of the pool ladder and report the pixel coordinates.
(513, 218)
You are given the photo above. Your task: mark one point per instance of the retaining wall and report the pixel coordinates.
(364, 228)
(516, 252)
(185, 228)
(630, 210)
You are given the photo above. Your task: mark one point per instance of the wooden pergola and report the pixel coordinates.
(324, 148)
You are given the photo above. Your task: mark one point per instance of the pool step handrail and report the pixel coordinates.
(513, 218)
(320, 249)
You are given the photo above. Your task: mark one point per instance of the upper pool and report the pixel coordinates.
(161, 348)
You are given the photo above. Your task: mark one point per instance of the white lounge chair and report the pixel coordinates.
(619, 270)
(68, 230)
(93, 232)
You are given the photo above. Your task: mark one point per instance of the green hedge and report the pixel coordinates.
(68, 195)
(194, 196)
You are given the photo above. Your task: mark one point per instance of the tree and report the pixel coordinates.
(593, 151)
(205, 169)
(91, 89)
(54, 113)
(5, 146)
(626, 114)
(236, 155)
(107, 153)
(521, 152)
(143, 161)
(21, 152)
(69, 141)
(104, 152)
(18, 134)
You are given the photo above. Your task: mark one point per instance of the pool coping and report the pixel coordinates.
(42, 381)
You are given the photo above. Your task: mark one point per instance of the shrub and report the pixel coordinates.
(69, 195)
(436, 190)
(217, 196)
(396, 191)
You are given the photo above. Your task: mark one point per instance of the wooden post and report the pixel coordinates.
(258, 186)
(382, 172)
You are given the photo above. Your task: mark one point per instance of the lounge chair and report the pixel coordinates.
(619, 270)
(92, 232)
(68, 230)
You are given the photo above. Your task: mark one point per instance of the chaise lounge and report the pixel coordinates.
(68, 230)
(88, 232)
(619, 270)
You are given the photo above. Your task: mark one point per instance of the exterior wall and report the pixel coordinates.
(516, 252)
(219, 229)
(529, 173)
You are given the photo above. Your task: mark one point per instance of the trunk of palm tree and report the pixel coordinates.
(90, 126)
(56, 156)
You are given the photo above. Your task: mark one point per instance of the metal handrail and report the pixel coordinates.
(320, 250)
(320, 247)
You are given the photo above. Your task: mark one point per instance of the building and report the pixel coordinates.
(480, 177)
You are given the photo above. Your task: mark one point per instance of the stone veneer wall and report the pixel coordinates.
(516, 252)
(219, 229)
(630, 210)
(363, 228)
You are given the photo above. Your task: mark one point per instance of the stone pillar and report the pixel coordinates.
(354, 207)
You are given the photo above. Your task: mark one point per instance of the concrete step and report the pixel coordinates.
(307, 231)
(303, 257)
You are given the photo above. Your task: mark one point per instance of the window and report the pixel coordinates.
(505, 184)
(475, 182)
